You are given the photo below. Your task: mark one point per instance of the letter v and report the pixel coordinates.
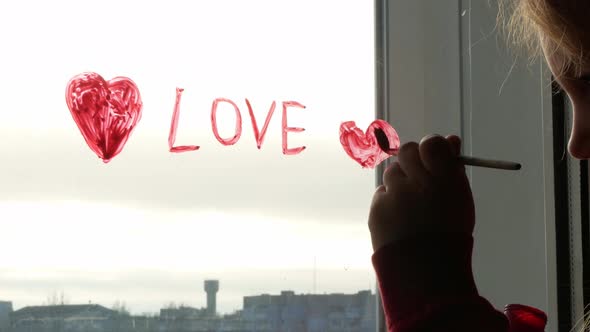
(259, 135)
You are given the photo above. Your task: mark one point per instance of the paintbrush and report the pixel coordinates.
(383, 142)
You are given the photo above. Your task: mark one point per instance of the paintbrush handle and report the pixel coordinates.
(489, 163)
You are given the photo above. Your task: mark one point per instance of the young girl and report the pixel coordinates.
(422, 217)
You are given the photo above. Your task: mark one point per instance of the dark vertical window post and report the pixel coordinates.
(562, 227)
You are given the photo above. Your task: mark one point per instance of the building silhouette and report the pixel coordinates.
(5, 314)
(57, 318)
(311, 312)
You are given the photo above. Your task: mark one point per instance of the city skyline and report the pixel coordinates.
(63, 299)
(356, 312)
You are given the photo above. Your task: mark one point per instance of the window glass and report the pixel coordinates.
(278, 241)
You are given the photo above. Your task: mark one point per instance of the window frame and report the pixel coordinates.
(424, 63)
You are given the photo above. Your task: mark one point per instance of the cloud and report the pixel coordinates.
(321, 184)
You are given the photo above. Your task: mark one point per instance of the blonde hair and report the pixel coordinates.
(550, 27)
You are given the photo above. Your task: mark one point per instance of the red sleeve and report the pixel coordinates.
(427, 284)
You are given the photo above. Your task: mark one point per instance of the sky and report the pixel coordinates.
(150, 226)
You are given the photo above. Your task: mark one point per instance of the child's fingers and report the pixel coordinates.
(455, 144)
(377, 195)
(377, 203)
(410, 162)
(393, 174)
(437, 155)
(380, 190)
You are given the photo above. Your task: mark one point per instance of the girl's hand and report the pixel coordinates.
(425, 191)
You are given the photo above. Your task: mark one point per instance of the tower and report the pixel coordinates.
(211, 288)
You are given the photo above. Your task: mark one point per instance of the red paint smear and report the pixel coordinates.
(106, 112)
(174, 126)
(286, 129)
(363, 147)
(238, 130)
(260, 135)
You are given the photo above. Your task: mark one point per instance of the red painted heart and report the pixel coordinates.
(363, 147)
(106, 112)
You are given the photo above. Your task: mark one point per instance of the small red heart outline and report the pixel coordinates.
(362, 147)
(106, 112)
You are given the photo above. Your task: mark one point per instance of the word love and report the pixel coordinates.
(107, 112)
(258, 134)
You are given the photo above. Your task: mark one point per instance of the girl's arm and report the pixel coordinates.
(426, 284)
